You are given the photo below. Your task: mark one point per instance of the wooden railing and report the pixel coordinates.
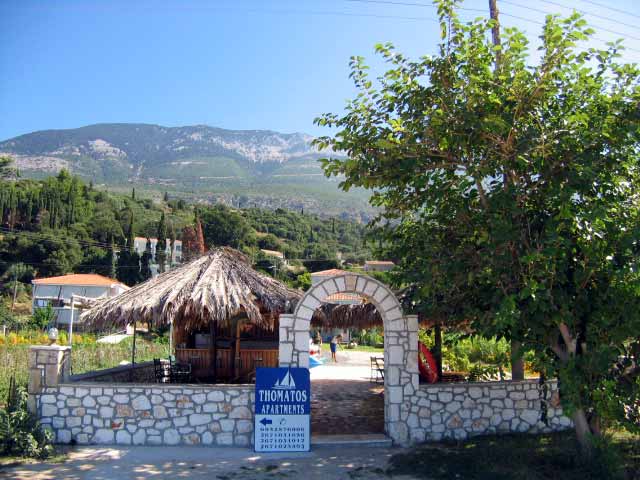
(200, 361)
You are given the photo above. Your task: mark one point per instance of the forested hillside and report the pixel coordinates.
(241, 168)
(61, 224)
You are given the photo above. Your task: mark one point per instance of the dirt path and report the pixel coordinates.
(142, 463)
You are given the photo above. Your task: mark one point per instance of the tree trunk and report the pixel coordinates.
(583, 431)
(517, 362)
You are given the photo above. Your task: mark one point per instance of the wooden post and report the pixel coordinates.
(15, 291)
(213, 350)
(438, 348)
(236, 362)
(71, 321)
(517, 362)
(133, 352)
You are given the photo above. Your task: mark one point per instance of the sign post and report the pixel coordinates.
(283, 408)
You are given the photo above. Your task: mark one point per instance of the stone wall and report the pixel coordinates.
(158, 414)
(458, 411)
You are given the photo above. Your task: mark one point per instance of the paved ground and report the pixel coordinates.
(142, 463)
(343, 399)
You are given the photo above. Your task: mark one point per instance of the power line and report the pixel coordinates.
(411, 4)
(619, 10)
(511, 15)
(598, 27)
(585, 12)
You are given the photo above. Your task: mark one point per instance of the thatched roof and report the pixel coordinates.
(217, 286)
(360, 316)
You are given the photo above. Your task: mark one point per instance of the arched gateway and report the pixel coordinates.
(400, 344)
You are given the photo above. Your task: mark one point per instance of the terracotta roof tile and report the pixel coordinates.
(330, 273)
(78, 279)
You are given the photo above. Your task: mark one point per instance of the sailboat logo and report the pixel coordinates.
(285, 383)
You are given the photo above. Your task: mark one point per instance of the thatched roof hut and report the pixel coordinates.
(216, 287)
(361, 316)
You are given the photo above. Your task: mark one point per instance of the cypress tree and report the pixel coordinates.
(111, 260)
(161, 246)
(145, 262)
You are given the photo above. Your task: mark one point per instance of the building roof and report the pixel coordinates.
(92, 279)
(273, 253)
(144, 239)
(379, 262)
(216, 287)
(334, 272)
(342, 297)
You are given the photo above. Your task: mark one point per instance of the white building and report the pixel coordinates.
(378, 266)
(173, 257)
(57, 291)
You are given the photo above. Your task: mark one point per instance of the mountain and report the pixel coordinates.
(204, 163)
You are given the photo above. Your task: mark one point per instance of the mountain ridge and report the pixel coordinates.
(208, 163)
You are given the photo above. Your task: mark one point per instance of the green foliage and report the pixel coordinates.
(20, 433)
(5, 166)
(508, 190)
(483, 358)
(372, 337)
(303, 281)
(7, 318)
(224, 226)
(42, 317)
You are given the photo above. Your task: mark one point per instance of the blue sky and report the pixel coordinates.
(241, 64)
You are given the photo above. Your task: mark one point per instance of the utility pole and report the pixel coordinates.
(517, 362)
(495, 30)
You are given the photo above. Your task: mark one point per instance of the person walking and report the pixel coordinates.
(334, 346)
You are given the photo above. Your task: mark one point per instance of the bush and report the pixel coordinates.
(20, 432)
(7, 318)
(372, 337)
(43, 317)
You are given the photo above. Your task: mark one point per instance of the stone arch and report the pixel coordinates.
(400, 344)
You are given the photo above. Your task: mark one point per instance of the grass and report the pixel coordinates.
(359, 348)
(86, 355)
(515, 457)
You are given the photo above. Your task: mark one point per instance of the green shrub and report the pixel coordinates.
(371, 337)
(20, 432)
(42, 317)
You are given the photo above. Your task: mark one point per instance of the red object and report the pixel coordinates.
(427, 364)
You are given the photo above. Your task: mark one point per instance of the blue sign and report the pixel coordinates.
(282, 410)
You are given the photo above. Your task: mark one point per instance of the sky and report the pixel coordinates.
(237, 64)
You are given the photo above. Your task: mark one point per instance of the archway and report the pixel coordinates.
(400, 344)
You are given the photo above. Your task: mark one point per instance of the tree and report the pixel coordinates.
(161, 246)
(513, 191)
(133, 193)
(224, 227)
(16, 272)
(5, 167)
(145, 262)
(128, 269)
(192, 241)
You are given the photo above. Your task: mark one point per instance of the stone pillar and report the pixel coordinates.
(286, 338)
(49, 365)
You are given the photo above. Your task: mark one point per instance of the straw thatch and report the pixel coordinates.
(360, 316)
(217, 286)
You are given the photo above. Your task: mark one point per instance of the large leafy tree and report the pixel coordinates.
(512, 186)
